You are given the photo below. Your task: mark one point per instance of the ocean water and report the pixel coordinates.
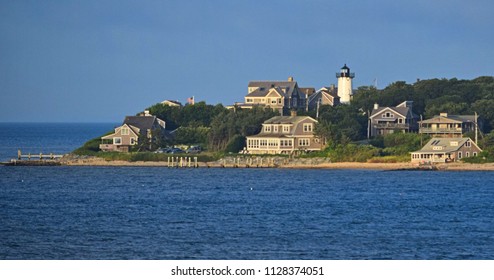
(46, 138)
(162, 213)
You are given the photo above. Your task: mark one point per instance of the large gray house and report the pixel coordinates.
(278, 95)
(127, 135)
(285, 135)
(386, 120)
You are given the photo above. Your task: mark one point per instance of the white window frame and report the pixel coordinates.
(267, 128)
(307, 127)
(117, 140)
(124, 131)
(304, 142)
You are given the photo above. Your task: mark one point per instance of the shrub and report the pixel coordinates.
(353, 153)
(235, 144)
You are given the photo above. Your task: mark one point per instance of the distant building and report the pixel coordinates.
(127, 135)
(345, 89)
(278, 95)
(446, 150)
(386, 120)
(285, 135)
(324, 96)
(171, 103)
(446, 125)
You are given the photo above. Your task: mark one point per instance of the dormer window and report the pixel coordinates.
(307, 127)
(267, 128)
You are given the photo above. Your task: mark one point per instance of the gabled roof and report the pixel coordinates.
(264, 86)
(324, 93)
(444, 145)
(450, 119)
(276, 90)
(287, 119)
(171, 102)
(134, 130)
(141, 122)
(402, 109)
(399, 110)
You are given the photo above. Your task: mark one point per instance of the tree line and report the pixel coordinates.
(219, 128)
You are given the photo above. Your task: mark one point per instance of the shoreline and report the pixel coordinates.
(455, 166)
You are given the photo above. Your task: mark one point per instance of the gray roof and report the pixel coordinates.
(141, 122)
(401, 109)
(286, 119)
(265, 86)
(451, 119)
(327, 92)
(445, 143)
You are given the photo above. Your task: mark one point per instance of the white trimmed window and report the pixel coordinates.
(125, 131)
(117, 140)
(307, 127)
(304, 142)
(286, 128)
(267, 128)
(468, 144)
(459, 155)
(275, 128)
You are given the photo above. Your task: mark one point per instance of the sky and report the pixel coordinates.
(98, 61)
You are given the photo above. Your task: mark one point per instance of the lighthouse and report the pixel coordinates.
(345, 84)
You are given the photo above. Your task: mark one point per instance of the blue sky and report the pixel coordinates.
(97, 61)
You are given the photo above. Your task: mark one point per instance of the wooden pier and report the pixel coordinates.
(39, 156)
(190, 162)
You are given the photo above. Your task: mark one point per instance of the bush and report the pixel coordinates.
(353, 153)
(390, 159)
(90, 148)
(235, 144)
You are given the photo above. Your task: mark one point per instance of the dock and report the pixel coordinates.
(39, 156)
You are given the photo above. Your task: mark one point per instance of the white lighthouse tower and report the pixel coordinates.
(345, 84)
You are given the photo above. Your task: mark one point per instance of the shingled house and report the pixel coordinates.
(446, 150)
(285, 135)
(446, 125)
(386, 120)
(278, 95)
(324, 96)
(127, 135)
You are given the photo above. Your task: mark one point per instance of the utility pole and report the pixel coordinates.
(476, 129)
(317, 110)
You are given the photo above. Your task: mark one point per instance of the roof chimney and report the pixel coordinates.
(443, 115)
(290, 79)
(376, 106)
(146, 113)
(293, 113)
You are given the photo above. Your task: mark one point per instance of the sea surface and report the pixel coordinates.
(163, 213)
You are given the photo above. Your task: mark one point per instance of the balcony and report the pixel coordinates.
(429, 130)
(392, 125)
